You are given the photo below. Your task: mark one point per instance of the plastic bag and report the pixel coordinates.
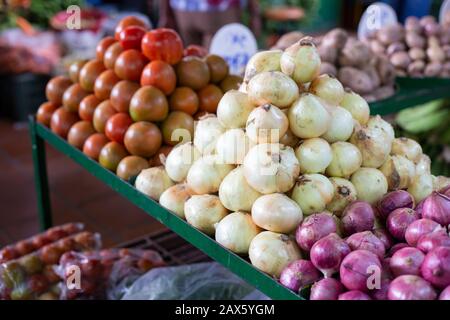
(202, 281)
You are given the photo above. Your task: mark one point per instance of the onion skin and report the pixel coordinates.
(445, 294)
(357, 217)
(344, 194)
(382, 293)
(354, 295)
(437, 208)
(399, 220)
(314, 228)
(299, 274)
(420, 228)
(394, 200)
(384, 237)
(406, 261)
(436, 267)
(433, 240)
(409, 287)
(366, 240)
(326, 289)
(357, 267)
(327, 254)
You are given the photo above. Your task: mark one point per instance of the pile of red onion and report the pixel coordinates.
(395, 250)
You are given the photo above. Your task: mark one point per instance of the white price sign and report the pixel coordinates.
(236, 44)
(375, 17)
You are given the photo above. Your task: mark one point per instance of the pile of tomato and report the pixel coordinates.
(122, 107)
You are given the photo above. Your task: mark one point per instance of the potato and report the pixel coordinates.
(386, 70)
(436, 54)
(354, 54)
(263, 61)
(288, 39)
(413, 24)
(416, 53)
(390, 34)
(355, 79)
(401, 72)
(377, 47)
(327, 53)
(335, 38)
(383, 92)
(414, 40)
(445, 38)
(395, 47)
(328, 68)
(416, 68)
(432, 28)
(400, 60)
(446, 49)
(426, 19)
(432, 69)
(369, 97)
(373, 75)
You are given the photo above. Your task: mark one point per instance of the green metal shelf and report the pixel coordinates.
(235, 263)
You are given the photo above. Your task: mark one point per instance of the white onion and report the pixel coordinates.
(289, 139)
(206, 174)
(235, 193)
(153, 182)
(262, 61)
(277, 212)
(308, 117)
(423, 165)
(207, 131)
(174, 198)
(312, 192)
(341, 125)
(327, 88)
(314, 155)
(272, 87)
(236, 231)
(370, 184)
(232, 146)
(357, 106)
(406, 147)
(421, 186)
(266, 124)
(378, 123)
(301, 61)
(271, 252)
(346, 160)
(233, 109)
(399, 172)
(270, 168)
(180, 160)
(204, 211)
(344, 194)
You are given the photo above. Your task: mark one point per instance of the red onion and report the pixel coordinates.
(382, 293)
(385, 237)
(437, 208)
(366, 240)
(445, 294)
(397, 247)
(409, 287)
(407, 261)
(354, 295)
(326, 289)
(299, 274)
(386, 272)
(327, 254)
(436, 267)
(394, 200)
(358, 216)
(433, 240)
(399, 220)
(419, 208)
(314, 228)
(419, 228)
(357, 267)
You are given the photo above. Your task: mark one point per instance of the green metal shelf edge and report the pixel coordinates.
(209, 246)
(412, 92)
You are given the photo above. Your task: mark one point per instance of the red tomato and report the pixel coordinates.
(116, 126)
(104, 84)
(87, 107)
(44, 113)
(163, 44)
(129, 65)
(89, 73)
(94, 144)
(195, 50)
(130, 37)
(122, 93)
(79, 132)
(62, 120)
(111, 54)
(55, 89)
(126, 22)
(102, 46)
(161, 75)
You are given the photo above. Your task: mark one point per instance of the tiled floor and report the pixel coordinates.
(75, 195)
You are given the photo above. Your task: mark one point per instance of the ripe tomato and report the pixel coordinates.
(111, 154)
(126, 22)
(62, 120)
(102, 46)
(163, 44)
(94, 144)
(161, 75)
(122, 93)
(129, 65)
(89, 73)
(209, 98)
(195, 50)
(131, 36)
(55, 89)
(218, 68)
(231, 82)
(45, 111)
(111, 54)
(73, 96)
(143, 139)
(74, 70)
(149, 104)
(193, 72)
(104, 84)
(79, 132)
(131, 166)
(87, 107)
(116, 126)
(177, 120)
(163, 152)
(50, 254)
(102, 113)
(184, 99)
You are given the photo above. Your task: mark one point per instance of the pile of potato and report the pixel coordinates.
(420, 48)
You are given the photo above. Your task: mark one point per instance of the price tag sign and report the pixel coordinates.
(445, 7)
(375, 17)
(236, 44)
